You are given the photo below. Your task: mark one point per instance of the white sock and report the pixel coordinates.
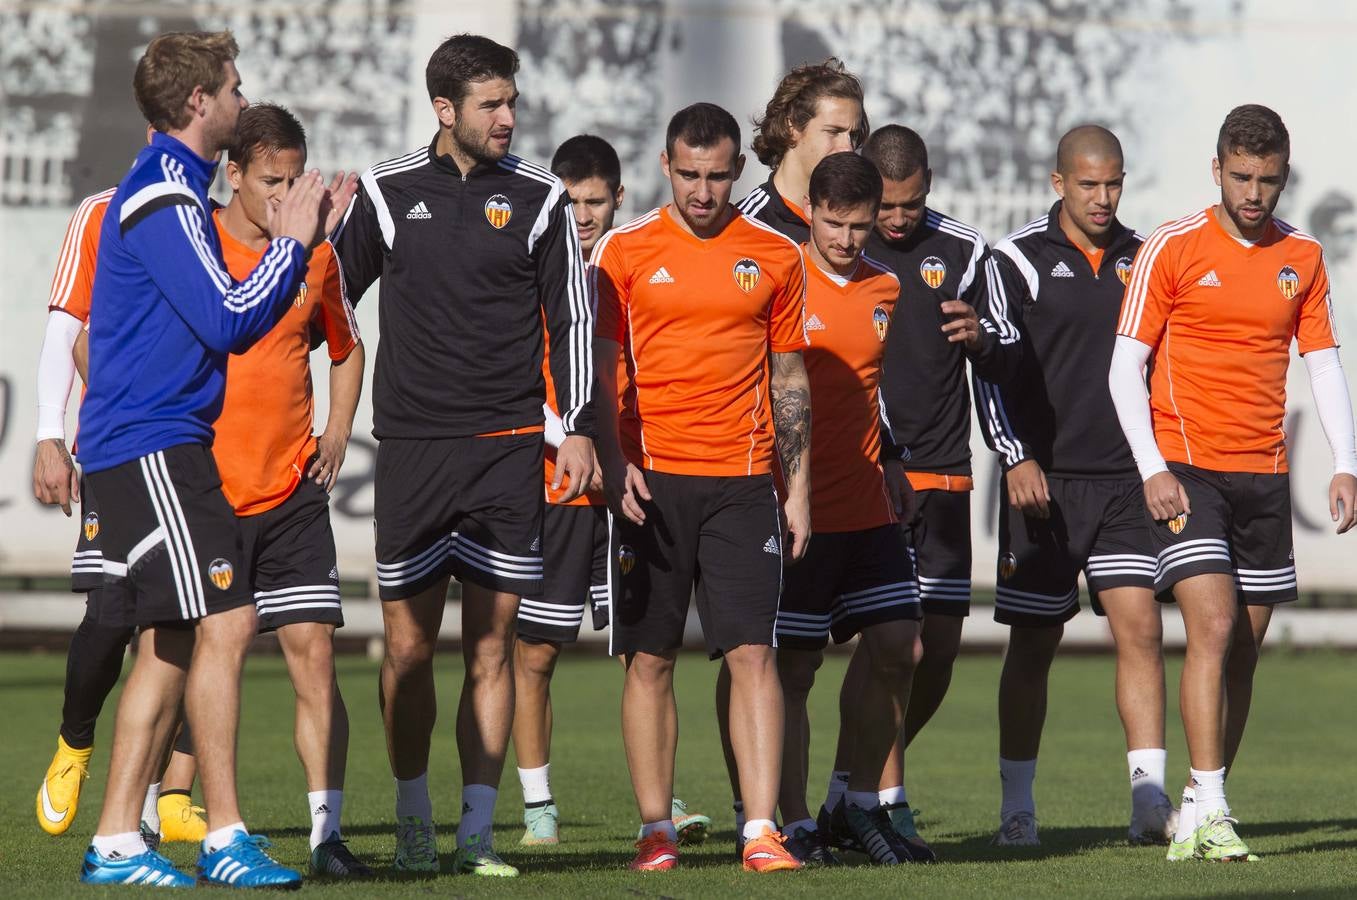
(1147, 776)
(1209, 787)
(838, 783)
(412, 798)
(1187, 815)
(755, 827)
(125, 845)
(150, 808)
(536, 784)
(891, 796)
(863, 799)
(222, 837)
(665, 828)
(738, 806)
(807, 825)
(478, 809)
(325, 806)
(1017, 776)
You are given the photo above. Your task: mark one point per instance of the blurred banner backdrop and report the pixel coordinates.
(990, 84)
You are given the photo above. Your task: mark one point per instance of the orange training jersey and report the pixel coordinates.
(263, 437)
(74, 278)
(1220, 316)
(846, 326)
(588, 498)
(696, 319)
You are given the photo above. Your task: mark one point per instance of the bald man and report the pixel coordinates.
(1072, 498)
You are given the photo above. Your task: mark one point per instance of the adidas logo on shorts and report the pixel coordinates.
(334, 573)
(419, 211)
(1062, 271)
(1210, 279)
(771, 546)
(814, 323)
(535, 546)
(661, 276)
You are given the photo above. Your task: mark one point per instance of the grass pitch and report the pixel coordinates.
(1294, 789)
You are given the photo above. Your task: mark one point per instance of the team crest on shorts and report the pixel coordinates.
(498, 211)
(1288, 282)
(1008, 564)
(222, 573)
(91, 526)
(747, 274)
(1178, 523)
(300, 300)
(626, 559)
(1124, 270)
(881, 321)
(933, 270)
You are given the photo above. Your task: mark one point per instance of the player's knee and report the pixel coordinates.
(891, 651)
(1033, 647)
(650, 671)
(536, 659)
(796, 669)
(407, 655)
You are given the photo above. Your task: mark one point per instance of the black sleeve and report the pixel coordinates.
(564, 295)
(1001, 345)
(1009, 289)
(359, 245)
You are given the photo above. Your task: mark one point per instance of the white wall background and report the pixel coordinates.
(1179, 68)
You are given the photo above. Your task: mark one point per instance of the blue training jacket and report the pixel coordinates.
(165, 313)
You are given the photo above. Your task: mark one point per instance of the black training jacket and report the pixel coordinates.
(470, 266)
(1059, 410)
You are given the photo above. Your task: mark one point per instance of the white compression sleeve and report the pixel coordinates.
(1126, 381)
(555, 431)
(56, 373)
(1334, 405)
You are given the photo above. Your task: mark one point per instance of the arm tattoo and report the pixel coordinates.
(791, 422)
(790, 390)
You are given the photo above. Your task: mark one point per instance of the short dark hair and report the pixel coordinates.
(464, 58)
(843, 180)
(173, 65)
(896, 151)
(262, 130)
(795, 102)
(701, 125)
(1253, 130)
(587, 156)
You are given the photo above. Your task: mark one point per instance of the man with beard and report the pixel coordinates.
(1233, 286)
(475, 248)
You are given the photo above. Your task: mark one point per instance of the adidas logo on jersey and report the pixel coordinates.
(661, 276)
(419, 211)
(771, 546)
(814, 323)
(1210, 279)
(1062, 271)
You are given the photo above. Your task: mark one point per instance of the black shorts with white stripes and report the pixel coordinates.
(940, 545)
(1240, 526)
(470, 507)
(87, 565)
(168, 531)
(289, 554)
(718, 538)
(846, 582)
(578, 574)
(1095, 525)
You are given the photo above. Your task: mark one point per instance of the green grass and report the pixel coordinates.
(1294, 788)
